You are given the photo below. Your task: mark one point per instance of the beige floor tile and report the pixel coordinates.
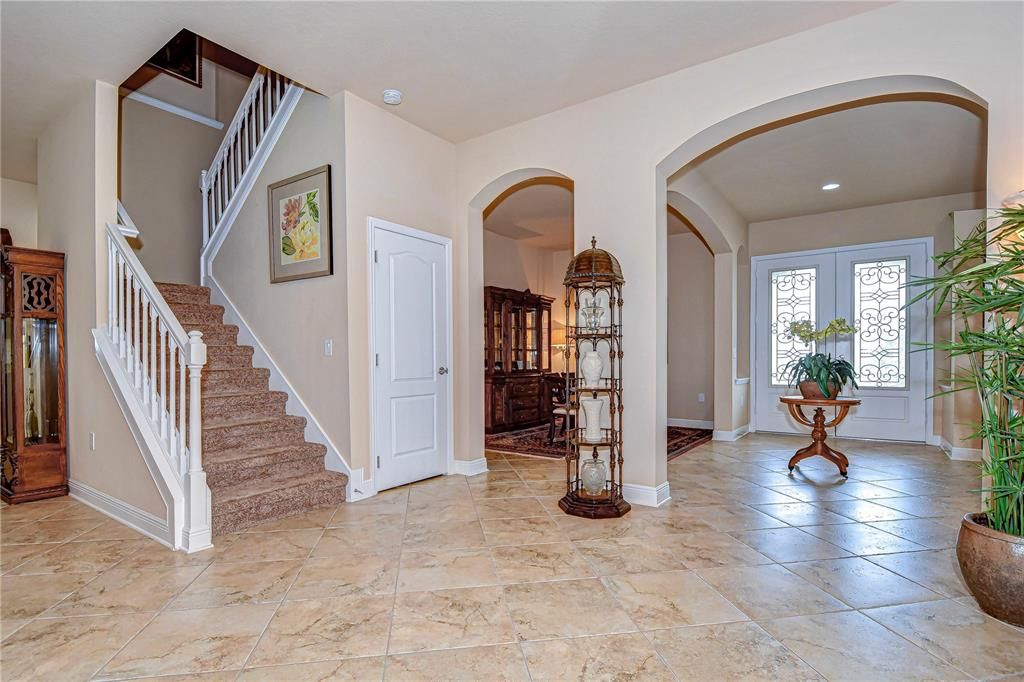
(863, 490)
(48, 531)
(111, 530)
(565, 608)
(534, 563)
(733, 651)
(360, 539)
(542, 472)
(673, 521)
(576, 528)
(294, 544)
(789, 544)
(851, 646)
(231, 584)
(501, 489)
(710, 549)
(860, 538)
(628, 555)
(769, 591)
(527, 531)
(802, 514)
(443, 619)
(81, 557)
(489, 476)
(446, 535)
(937, 570)
(22, 513)
(863, 511)
(510, 508)
(810, 493)
(928, 533)
(389, 504)
(12, 556)
(502, 662)
(26, 596)
(952, 632)
(9, 627)
(670, 599)
(325, 629)
(156, 555)
(344, 575)
(127, 590)
(605, 657)
(76, 510)
(312, 520)
(444, 510)
(348, 670)
(66, 648)
(444, 569)
(860, 583)
(191, 642)
(736, 517)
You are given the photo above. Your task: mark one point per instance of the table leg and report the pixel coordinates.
(818, 447)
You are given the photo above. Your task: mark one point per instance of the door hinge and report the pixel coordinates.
(375, 255)
(376, 359)
(378, 461)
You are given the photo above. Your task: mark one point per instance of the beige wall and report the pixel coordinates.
(162, 155)
(292, 319)
(74, 206)
(691, 328)
(619, 150)
(904, 220)
(400, 173)
(19, 209)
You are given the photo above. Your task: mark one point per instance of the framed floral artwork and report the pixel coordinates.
(300, 226)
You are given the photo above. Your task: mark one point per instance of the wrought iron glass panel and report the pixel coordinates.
(880, 344)
(793, 300)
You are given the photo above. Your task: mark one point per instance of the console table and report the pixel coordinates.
(818, 447)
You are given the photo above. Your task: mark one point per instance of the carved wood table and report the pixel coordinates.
(818, 447)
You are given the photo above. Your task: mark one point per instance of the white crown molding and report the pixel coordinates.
(133, 517)
(728, 436)
(691, 423)
(175, 109)
(646, 495)
(470, 467)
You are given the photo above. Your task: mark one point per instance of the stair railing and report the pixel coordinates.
(163, 365)
(248, 141)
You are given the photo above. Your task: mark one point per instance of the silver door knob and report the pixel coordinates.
(442, 370)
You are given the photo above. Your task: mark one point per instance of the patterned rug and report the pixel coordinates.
(534, 441)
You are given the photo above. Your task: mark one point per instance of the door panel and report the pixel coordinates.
(410, 336)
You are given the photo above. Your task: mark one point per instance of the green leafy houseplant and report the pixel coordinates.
(830, 374)
(983, 276)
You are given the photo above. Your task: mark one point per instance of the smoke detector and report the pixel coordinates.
(392, 97)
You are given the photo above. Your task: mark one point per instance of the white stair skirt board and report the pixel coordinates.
(735, 434)
(691, 423)
(146, 523)
(964, 454)
(333, 460)
(646, 495)
(470, 467)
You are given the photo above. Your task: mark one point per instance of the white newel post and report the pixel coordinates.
(197, 533)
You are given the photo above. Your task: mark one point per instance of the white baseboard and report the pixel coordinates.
(646, 495)
(735, 434)
(963, 454)
(691, 423)
(133, 517)
(470, 467)
(333, 460)
(359, 488)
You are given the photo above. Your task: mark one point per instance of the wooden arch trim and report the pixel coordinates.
(542, 180)
(685, 221)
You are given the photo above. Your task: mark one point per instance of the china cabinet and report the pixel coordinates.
(32, 447)
(517, 357)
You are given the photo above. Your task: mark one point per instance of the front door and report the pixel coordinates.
(867, 285)
(411, 382)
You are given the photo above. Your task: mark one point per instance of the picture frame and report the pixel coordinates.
(300, 226)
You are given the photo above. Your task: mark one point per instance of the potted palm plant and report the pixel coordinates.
(983, 277)
(819, 375)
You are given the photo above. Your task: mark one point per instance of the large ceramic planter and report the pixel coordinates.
(992, 564)
(812, 391)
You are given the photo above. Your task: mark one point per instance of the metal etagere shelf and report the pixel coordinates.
(593, 355)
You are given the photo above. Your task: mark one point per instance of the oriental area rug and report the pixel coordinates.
(534, 441)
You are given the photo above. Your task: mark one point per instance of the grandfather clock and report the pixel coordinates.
(32, 447)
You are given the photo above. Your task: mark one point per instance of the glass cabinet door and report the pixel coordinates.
(40, 392)
(531, 328)
(516, 323)
(545, 340)
(7, 381)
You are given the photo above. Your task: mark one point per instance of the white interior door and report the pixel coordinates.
(866, 285)
(411, 382)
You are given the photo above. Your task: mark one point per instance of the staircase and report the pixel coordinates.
(258, 464)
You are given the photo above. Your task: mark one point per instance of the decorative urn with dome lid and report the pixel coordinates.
(593, 359)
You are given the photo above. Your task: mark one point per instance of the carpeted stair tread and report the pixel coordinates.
(183, 293)
(235, 379)
(284, 452)
(189, 314)
(227, 356)
(277, 485)
(244, 403)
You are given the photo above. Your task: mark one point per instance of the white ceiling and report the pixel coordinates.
(538, 215)
(879, 154)
(466, 68)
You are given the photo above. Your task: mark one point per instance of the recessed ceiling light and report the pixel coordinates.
(392, 97)
(829, 186)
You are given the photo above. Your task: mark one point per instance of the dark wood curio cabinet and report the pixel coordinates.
(517, 358)
(32, 447)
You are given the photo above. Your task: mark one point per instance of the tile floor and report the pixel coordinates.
(747, 574)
